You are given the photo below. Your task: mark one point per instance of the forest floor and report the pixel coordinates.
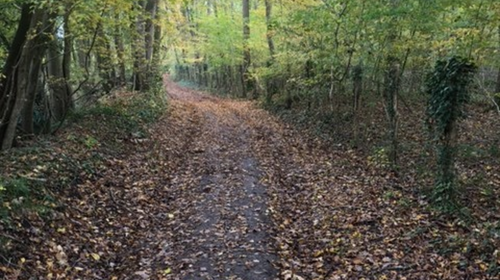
(221, 189)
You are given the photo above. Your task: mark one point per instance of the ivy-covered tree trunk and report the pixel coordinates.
(448, 90)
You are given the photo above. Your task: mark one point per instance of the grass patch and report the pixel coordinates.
(13, 193)
(18, 195)
(126, 112)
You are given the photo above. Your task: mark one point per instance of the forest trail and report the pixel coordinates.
(226, 233)
(221, 189)
(253, 197)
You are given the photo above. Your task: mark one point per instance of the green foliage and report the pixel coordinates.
(114, 115)
(14, 195)
(494, 149)
(334, 36)
(447, 87)
(14, 188)
(90, 142)
(149, 106)
(221, 40)
(379, 158)
(127, 115)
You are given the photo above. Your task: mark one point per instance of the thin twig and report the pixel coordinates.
(43, 180)
(11, 237)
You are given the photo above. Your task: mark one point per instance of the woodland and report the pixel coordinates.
(250, 139)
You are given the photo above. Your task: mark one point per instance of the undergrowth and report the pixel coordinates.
(34, 174)
(477, 150)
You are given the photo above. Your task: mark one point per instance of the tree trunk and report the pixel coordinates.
(42, 25)
(104, 60)
(391, 106)
(66, 63)
(55, 80)
(271, 87)
(391, 89)
(156, 45)
(357, 81)
(270, 28)
(357, 86)
(59, 72)
(151, 11)
(120, 53)
(9, 79)
(19, 86)
(245, 75)
(497, 86)
(152, 36)
(27, 121)
(138, 47)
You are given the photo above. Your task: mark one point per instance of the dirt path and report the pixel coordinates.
(225, 230)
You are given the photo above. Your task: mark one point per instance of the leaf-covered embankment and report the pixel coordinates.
(341, 215)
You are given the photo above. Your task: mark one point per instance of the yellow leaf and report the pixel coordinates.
(483, 266)
(61, 230)
(167, 271)
(357, 261)
(318, 253)
(170, 216)
(95, 256)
